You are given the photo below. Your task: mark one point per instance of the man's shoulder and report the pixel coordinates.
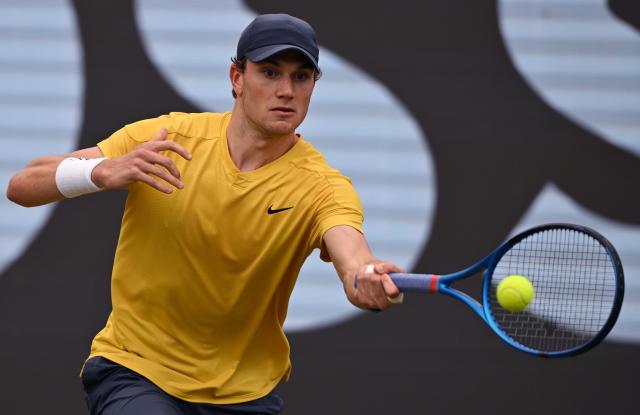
(310, 159)
(312, 163)
(330, 187)
(206, 125)
(203, 125)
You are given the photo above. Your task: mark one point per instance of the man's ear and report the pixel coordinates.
(236, 76)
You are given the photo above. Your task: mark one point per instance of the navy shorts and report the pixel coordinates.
(112, 389)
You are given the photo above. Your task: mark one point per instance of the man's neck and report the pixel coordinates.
(251, 149)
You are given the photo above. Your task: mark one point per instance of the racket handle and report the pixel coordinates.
(422, 283)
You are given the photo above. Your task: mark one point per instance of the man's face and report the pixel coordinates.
(274, 94)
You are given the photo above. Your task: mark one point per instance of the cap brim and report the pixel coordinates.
(264, 52)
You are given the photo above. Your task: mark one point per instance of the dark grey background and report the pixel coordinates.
(429, 356)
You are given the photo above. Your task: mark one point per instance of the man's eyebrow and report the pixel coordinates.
(278, 62)
(271, 61)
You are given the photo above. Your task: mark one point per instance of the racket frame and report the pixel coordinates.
(442, 284)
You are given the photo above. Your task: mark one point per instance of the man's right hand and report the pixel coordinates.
(144, 164)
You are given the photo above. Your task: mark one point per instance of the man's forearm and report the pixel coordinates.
(35, 185)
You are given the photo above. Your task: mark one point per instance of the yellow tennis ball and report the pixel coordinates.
(515, 292)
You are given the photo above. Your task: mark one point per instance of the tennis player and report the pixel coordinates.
(222, 211)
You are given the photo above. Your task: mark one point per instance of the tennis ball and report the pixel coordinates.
(515, 292)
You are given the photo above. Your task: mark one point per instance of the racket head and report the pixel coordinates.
(579, 287)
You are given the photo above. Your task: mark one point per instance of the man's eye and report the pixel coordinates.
(270, 73)
(301, 76)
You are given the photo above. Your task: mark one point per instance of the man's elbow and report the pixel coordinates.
(16, 192)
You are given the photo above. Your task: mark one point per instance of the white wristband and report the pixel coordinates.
(73, 176)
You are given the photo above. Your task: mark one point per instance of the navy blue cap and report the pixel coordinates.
(269, 34)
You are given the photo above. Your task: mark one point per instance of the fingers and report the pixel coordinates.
(387, 267)
(151, 162)
(390, 288)
(166, 162)
(144, 164)
(161, 135)
(168, 145)
(397, 300)
(145, 178)
(375, 288)
(384, 268)
(159, 142)
(165, 175)
(394, 296)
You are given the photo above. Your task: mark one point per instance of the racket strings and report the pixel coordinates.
(575, 288)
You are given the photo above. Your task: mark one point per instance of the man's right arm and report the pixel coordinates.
(36, 184)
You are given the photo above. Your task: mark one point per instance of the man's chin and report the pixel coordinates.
(281, 129)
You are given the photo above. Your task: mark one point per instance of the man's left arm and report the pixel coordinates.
(365, 278)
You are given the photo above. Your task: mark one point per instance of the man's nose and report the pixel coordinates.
(285, 87)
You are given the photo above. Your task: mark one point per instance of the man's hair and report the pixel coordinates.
(241, 65)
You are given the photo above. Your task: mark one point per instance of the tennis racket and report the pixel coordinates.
(578, 281)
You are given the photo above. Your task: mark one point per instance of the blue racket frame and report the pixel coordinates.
(424, 283)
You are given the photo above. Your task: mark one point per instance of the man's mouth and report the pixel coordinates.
(283, 109)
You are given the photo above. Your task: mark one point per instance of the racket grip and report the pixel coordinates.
(422, 283)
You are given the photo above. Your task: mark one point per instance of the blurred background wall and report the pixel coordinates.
(459, 122)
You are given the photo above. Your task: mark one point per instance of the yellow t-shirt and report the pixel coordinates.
(202, 277)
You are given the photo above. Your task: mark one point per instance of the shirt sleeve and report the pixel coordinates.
(338, 204)
(129, 137)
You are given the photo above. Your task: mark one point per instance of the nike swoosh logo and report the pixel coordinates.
(272, 211)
